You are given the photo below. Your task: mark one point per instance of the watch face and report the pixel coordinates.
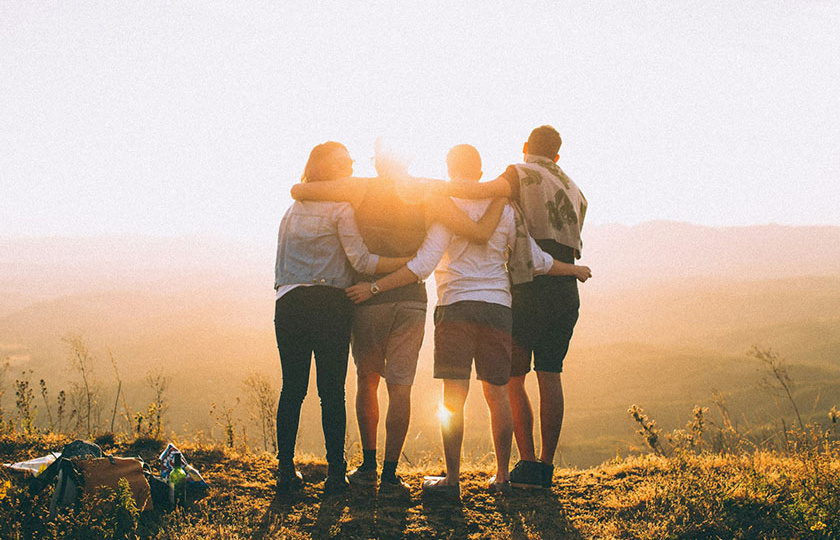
(374, 288)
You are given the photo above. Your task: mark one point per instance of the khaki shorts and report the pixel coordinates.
(386, 339)
(470, 330)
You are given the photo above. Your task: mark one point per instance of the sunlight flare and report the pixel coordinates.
(444, 415)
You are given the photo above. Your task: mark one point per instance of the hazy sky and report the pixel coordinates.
(168, 118)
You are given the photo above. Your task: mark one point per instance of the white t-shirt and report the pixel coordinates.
(472, 271)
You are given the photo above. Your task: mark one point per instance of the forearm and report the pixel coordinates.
(579, 271)
(361, 291)
(479, 190)
(445, 212)
(344, 190)
(403, 276)
(561, 269)
(389, 264)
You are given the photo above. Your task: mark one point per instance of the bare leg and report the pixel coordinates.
(523, 418)
(397, 419)
(367, 409)
(551, 413)
(454, 397)
(501, 421)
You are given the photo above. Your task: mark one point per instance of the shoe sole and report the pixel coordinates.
(359, 483)
(526, 486)
(442, 495)
(394, 494)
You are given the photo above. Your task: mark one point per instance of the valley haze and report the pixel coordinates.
(668, 319)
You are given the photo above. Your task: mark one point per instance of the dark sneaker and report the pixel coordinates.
(288, 480)
(335, 484)
(433, 487)
(527, 475)
(393, 487)
(547, 475)
(362, 477)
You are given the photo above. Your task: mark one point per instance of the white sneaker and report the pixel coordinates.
(361, 477)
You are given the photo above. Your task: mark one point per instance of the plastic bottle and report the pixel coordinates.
(178, 480)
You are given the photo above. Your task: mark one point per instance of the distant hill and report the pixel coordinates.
(44, 268)
(624, 256)
(621, 256)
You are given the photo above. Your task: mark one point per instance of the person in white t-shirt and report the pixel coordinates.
(472, 319)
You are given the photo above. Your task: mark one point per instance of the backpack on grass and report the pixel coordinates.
(85, 475)
(82, 467)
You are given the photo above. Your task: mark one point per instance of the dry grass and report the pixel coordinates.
(763, 495)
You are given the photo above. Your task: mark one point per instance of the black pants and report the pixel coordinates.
(306, 320)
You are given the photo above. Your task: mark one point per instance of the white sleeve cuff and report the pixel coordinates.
(373, 261)
(542, 260)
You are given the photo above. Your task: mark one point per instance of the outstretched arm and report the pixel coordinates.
(389, 264)
(499, 187)
(545, 265)
(361, 291)
(418, 269)
(442, 210)
(582, 273)
(350, 190)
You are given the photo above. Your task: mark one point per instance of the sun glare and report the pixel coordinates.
(444, 415)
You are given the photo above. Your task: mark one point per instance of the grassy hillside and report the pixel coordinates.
(668, 348)
(666, 323)
(761, 496)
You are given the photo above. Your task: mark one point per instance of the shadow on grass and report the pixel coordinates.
(445, 517)
(391, 517)
(305, 510)
(357, 513)
(329, 523)
(536, 513)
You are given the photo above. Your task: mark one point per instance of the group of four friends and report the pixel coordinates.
(352, 255)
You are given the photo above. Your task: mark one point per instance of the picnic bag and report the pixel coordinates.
(107, 472)
(85, 475)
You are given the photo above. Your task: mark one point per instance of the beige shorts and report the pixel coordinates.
(386, 339)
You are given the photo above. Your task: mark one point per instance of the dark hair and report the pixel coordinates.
(464, 161)
(319, 165)
(544, 141)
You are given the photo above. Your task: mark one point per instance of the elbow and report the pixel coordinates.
(371, 265)
(295, 192)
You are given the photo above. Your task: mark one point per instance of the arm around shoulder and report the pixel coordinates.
(445, 212)
(349, 190)
(500, 187)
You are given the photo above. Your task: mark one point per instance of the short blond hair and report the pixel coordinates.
(464, 161)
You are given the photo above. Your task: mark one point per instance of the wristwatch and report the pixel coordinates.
(374, 288)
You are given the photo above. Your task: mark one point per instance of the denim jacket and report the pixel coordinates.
(317, 244)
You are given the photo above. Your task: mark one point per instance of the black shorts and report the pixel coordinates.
(544, 315)
(473, 330)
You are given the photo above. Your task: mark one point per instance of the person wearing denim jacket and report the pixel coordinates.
(318, 246)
